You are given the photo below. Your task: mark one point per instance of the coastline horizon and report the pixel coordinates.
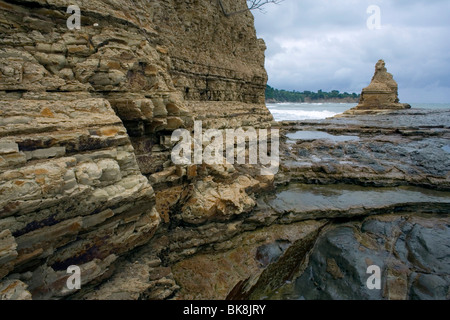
(292, 111)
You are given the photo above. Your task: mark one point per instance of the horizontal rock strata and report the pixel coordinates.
(86, 177)
(381, 96)
(86, 118)
(71, 189)
(402, 148)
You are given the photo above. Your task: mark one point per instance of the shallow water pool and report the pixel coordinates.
(316, 135)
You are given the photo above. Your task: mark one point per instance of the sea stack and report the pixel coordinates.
(381, 95)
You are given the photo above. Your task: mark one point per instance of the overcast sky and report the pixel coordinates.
(326, 44)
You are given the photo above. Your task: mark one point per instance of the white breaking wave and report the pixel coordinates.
(307, 111)
(281, 115)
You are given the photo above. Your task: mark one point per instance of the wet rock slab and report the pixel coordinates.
(242, 259)
(413, 253)
(408, 147)
(300, 201)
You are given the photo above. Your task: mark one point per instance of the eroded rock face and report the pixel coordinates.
(86, 118)
(86, 179)
(381, 95)
(407, 147)
(367, 172)
(213, 275)
(411, 251)
(71, 191)
(14, 290)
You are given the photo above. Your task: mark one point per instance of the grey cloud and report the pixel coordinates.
(323, 44)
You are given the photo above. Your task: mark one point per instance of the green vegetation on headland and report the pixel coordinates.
(276, 95)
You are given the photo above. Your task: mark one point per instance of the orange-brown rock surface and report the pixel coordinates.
(86, 177)
(381, 95)
(85, 123)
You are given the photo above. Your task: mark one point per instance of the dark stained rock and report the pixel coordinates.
(403, 148)
(413, 253)
(269, 253)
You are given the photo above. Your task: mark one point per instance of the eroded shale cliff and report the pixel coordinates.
(86, 119)
(86, 177)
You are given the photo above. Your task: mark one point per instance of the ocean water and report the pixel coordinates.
(315, 111)
(307, 111)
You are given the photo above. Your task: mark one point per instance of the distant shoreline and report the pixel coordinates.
(343, 100)
(276, 96)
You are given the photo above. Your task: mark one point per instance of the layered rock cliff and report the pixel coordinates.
(86, 176)
(86, 118)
